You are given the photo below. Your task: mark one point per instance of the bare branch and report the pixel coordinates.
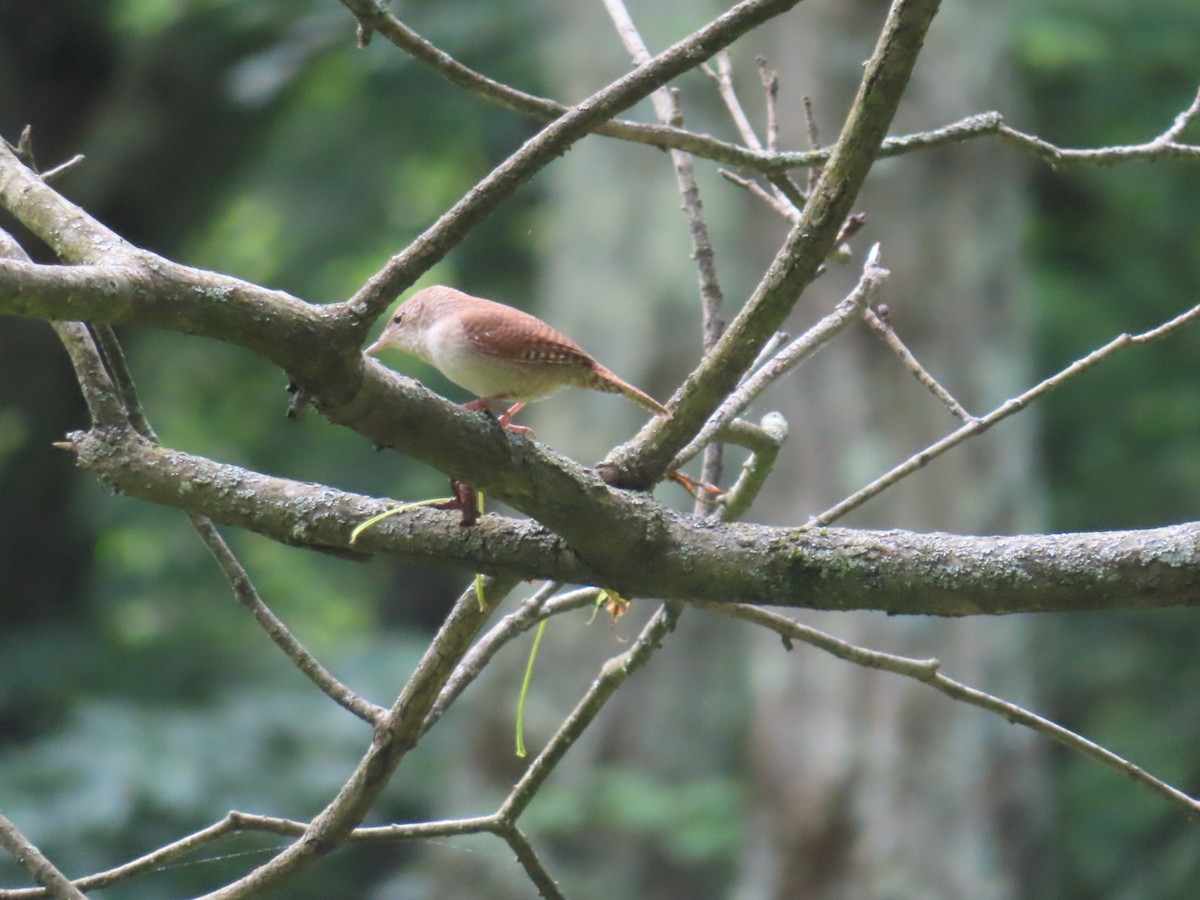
(405, 267)
(895, 571)
(242, 823)
(396, 733)
(62, 168)
(104, 402)
(642, 461)
(301, 657)
(231, 824)
(801, 349)
(1006, 409)
(105, 379)
(756, 469)
(540, 606)
(981, 125)
(814, 139)
(723, 77)
(770, 83)
(768, 351)
(612, 675)
(666, 106)
(663, 137)
(991, 124)
(786, 195)
(529, 861)
(928, 672)
(883, 328)
(786, 210)
(1182, 121)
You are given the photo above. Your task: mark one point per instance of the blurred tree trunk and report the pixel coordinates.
(867, 785)
(856, 784)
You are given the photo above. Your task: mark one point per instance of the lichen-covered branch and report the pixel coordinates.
(682, 557)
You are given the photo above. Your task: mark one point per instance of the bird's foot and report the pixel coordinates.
(466, 500)
(505, 418)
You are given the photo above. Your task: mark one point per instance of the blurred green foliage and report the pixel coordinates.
(1116, 250)
(254, 139)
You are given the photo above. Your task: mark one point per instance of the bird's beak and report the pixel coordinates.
(375, 347)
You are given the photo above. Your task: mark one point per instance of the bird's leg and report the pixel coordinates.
(505, 419)
(484, 404)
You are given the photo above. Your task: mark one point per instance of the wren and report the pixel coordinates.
(497, 352)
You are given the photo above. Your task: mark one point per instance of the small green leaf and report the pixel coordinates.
(374, 520)
(537, 640)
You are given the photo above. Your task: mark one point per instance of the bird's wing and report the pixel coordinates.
(520, 336)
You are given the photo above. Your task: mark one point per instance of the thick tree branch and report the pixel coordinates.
(685, 558)
(317, 350)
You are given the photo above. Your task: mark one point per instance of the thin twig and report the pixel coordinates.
(612, 675)
(105, 407)
(276, 630)
(537, 608)
(533, 866)
(787, 195)
(1006, 409)
(992, 123)
(814, 139)
(1182, 121)
(928, 672)
(884, 329)
(232, 823)
(723, 77)
(770, 83)
(782, 207)
(62, 168)
(801, 349)
(769, 349)
(117, 367)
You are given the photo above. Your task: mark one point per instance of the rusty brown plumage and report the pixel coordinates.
(498, 352)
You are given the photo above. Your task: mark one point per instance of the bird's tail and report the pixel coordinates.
(605, 380)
